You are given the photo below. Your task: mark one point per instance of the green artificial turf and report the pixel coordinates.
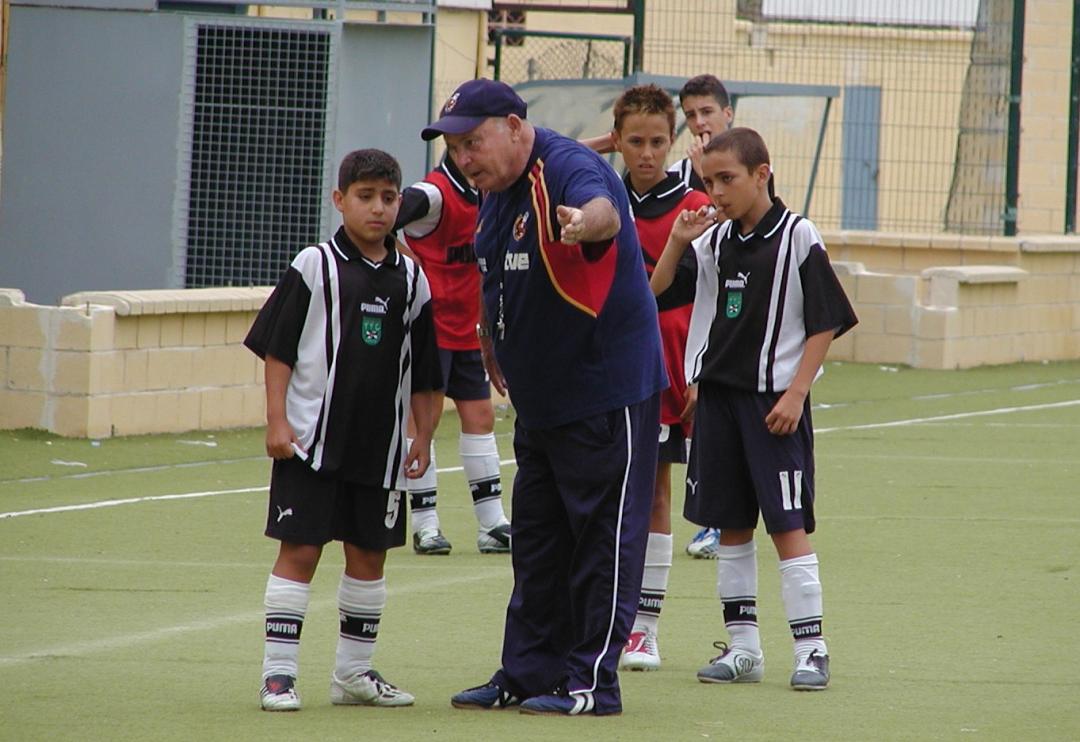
(949, 538)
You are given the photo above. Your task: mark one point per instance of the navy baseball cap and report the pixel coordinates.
(471, 103)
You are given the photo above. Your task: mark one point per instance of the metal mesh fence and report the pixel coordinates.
(258, 126)
(522, 56)
(918, 139)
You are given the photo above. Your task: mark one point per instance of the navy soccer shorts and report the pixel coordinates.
(309, 508)
(738, 468)
(464, 377)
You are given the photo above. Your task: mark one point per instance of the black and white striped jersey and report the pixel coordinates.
(684, 169)
(758, 298)
(359, 338)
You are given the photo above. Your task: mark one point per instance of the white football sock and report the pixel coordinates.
(286, 604)
(480, 459)
(800, 587)
(423, 495)
(736, 584)
(360, 604)
(654, 581)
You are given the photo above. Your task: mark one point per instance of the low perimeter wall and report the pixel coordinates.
(127, 362)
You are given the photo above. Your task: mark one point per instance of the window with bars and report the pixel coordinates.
(506, 19)
(258, 128)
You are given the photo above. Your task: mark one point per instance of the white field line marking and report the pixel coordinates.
(956, 416)
(507, 462)
(950, 459)
(129, 640)
(183, 496)
(1054, 521)
(92, 562)
(162, 467)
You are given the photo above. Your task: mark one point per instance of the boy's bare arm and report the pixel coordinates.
(280, 436)
(418, 458)
(686, 228)
(784, 417)
(601, 144)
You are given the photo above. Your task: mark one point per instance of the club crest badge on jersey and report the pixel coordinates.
(734, 304)
(371, 330)
(519, 226)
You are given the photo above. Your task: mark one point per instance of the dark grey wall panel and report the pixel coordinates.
(382, 87)
(90, 133)
(861, 147)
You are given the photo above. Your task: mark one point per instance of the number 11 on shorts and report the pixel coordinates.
(791, 482)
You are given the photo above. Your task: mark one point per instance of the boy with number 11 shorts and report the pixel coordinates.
(767, 304)
(348, 341)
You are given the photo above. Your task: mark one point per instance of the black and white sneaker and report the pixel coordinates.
(495, 541)
(279, 694)
(811, 672)
(430, 541)
(490, 695)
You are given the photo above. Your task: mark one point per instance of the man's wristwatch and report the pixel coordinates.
(482, 330)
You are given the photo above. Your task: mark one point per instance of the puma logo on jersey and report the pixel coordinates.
(516, 261)
(738, 283)
(283, 513)
(381, 306)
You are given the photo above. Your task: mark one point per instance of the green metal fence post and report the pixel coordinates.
(1012, 155)
(1071, 160)
(639, 35)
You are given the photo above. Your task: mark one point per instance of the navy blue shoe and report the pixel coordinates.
(488, 696)
(562, 703)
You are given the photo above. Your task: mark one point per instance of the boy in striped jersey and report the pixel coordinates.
(643, 133)
(767, 305)
(348, 341)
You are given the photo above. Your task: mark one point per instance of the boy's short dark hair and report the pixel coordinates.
(746, 143)
(368, 164)
(706, 85)
(645, 99)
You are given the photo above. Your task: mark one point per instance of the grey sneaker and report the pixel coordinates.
(811, 673)
(495, 541)
(279, 694)
(367, 689)
(733, 665)
(430, 541)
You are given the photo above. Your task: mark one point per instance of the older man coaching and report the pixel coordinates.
(570, 332)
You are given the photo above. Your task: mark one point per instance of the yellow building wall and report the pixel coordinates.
(1044, 115)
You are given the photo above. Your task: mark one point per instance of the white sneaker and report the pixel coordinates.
(367, 689)
(279, 694)
(733, 665)
(642, 652)
(705, 544)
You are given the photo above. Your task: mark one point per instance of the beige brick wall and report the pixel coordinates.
(118, 363)
(956, 302)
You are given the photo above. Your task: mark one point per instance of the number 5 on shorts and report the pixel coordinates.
(393, 507)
